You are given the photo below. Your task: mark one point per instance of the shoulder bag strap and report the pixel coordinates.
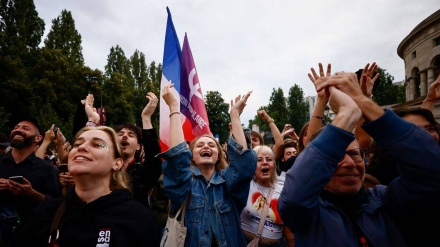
(182, 208)
(54, 231)
(262, 219)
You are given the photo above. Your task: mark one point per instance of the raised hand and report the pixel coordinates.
(238, 105)
(151, 106)
(346, 82)
(91, 112)
(263, 114)
(367, 79)
(148, 110)
(432, 96)
(318, 80)
(170, 99)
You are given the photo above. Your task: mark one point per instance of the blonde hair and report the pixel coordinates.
(119, 178)
(264, 149)
(221, 159)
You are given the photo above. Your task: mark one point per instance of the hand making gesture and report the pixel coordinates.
(148, 110)
(368, 78)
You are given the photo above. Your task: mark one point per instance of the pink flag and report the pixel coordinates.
(192, 104)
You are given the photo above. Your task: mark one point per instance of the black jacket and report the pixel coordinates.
(144, 176)
(115, 219)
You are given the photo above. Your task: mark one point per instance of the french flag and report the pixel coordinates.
(179, 64)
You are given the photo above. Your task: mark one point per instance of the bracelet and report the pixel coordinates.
(270, 121)
(318, 117)
(176, 112)
(91, 124)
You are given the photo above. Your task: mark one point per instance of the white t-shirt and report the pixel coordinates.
(251, 214)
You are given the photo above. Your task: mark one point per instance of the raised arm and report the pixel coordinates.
(92, 115)
(367, 83)
(278, 138)
(176, 132)
(321, 101)
(237, 107)
(299, 199)
(48, 138)
(149, 110)
(433, 95)
(152, 163)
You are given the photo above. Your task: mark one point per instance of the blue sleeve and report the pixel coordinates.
(239, 172)
(299, 200)
(416, 154)
(177, 174)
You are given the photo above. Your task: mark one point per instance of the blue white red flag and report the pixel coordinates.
(192, 104)
(170, 72)
(179, 68)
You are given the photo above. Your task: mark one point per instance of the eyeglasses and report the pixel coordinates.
(432, 129)
(356, 154)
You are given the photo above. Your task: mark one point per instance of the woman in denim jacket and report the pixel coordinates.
(218, 191)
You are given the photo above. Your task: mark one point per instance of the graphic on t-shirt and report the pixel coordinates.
(258, 201)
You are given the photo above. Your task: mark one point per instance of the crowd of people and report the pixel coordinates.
(368, 178)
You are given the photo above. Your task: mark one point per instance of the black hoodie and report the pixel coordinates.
(111, 220)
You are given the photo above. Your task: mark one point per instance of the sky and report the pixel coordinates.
(257, 45)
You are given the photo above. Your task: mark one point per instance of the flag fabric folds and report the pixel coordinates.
(178, 67)
(170, 72)
(192, 104)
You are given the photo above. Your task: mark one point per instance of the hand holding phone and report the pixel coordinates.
(17, 179)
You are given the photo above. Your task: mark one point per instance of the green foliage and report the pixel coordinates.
(297, 109)
(292, 110)
(4, 121)
(65, 37)
(218, 115)
(277, 109)
(387, 93)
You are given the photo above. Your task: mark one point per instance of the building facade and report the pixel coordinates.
(420, 51)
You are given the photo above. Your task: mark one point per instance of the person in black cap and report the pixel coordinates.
(35, 178)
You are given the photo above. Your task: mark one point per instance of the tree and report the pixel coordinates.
(118, 89)
(21, 31)
(276, 109)
(218, 115)
(142, 84)
(65, 37)
(20, 27)
(297, 108)
(387, 93)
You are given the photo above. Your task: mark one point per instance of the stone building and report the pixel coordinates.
(420, 51)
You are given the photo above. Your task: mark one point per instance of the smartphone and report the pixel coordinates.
(63, 168)
(18, 179)
(55, 131)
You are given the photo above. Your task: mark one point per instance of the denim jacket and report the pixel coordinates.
(213, 209)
